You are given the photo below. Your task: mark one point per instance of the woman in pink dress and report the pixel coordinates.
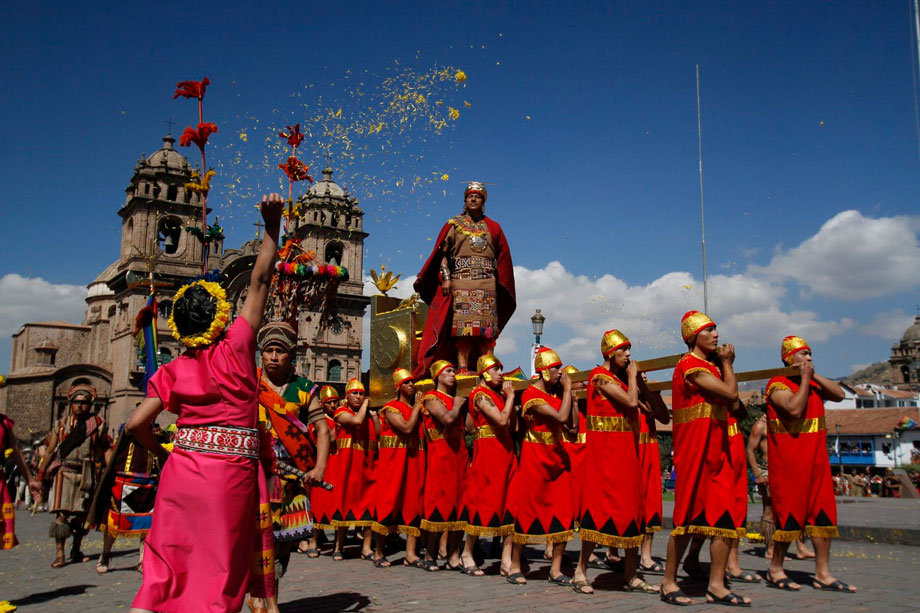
(202, 540)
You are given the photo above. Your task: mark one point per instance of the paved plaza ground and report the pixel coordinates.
(886, 573)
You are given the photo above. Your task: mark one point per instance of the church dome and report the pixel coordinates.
(99, 287)
(912, 334)
(167, 157)
(326, 186)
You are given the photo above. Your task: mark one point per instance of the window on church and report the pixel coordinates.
(335, 370)
(169, 230)
(172, 193)
(165, 356)
(112, 310)
(335, 253)
(335, 220)
(164, 309)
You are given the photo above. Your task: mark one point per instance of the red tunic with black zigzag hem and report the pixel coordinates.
(446, 460)
(321, 501)
(352, 475)
(489, 476)
(575, 445)
(540, 500)
(799, 467)
(400, 471)
(705, 499)
(611, 500)
(650, 463)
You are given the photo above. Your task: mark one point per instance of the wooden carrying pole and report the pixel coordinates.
(466, 383)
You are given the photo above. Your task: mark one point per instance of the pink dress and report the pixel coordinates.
(199, 552)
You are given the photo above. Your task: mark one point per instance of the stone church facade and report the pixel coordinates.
(49, 357)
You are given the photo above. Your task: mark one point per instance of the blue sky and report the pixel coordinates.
(581, 116)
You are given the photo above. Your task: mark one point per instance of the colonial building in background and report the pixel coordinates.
(905, 358)
(48, 358)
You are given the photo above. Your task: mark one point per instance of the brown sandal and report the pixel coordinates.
(59, 561)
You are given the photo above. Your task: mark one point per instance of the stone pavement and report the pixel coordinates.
(886, 574)
(895, 521)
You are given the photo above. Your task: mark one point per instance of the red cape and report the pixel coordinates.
(437, 343)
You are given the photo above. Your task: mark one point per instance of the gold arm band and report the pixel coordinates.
(648, 437)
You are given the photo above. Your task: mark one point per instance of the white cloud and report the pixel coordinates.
(889, 325)
(853, 257)
(578, 310)
(24, 299)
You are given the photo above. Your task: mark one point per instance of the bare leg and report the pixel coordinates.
(692, 564)
(555, 568)
(442, 545)
(802, 550)
(467, 558)
(646, 559)
(367, 546)
(676, 547)
(822, 561)
(776, 571)
(719, 549)
(587, 548)
(339, 546)
(431, 548)
(380, 557)
(102, 566)
(464, 347)
(734, 564)
(454, 538)
(548, 552)
(507, 547)
(515, 567)
(411, 555)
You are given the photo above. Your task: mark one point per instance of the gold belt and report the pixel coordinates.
(608, 423)
(580, 438)
(350, 443)
(485, 432)
(390, 441)
(435, 434)
(697, 411)
(541, 438)
(648, 437)
(796, 426)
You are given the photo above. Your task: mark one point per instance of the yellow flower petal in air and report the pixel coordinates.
(460, 76)
(453, 113)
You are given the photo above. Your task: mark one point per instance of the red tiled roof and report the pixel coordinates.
(868, 421)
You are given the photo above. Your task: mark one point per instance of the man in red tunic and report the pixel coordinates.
(446, 460)
(800, 470)
(489, 476)
(705, 399)
(540, 497)
(612, 514)
(400, 470)
(468, 283)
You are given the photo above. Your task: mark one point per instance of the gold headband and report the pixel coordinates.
(438, 367)
(354, 385)
(487, 361)
(791, 346)
(611, 341)
(400, 376)
(545, 359)
(694, 321)
(328, 393)
(476, 187)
